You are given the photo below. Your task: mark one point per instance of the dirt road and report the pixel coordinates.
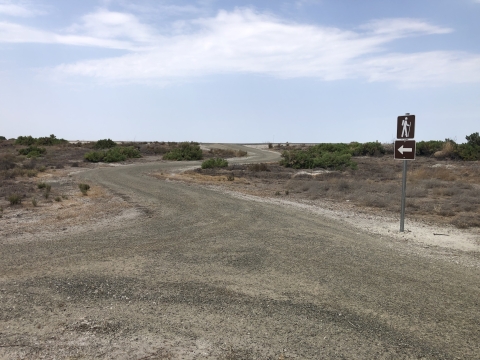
(201, 274)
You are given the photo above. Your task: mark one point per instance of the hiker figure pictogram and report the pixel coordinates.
(406, 128)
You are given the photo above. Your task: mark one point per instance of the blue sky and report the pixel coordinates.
(239, 71)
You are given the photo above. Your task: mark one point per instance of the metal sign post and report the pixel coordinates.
(404, 150)
(404, 193)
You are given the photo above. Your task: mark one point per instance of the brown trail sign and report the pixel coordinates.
(404, 150)
(406, 127)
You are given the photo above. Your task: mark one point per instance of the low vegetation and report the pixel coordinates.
(186, 151)
(41, 141)
(114, 154)
(105, 144)
(84, 188)
(327, 156)
(15, 199)
(214, 163)
(436, 191)
(32, 151)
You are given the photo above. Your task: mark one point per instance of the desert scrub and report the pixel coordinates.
(105, 144)
(15, 199)
(327, 156)
(45, 141)
(34, 202)
(84, 188)
(185, 151)
(214, 163)
(58, 199)
(47, 188)
(32, 151)
(115, 154)
(367, 149)
(41, 185)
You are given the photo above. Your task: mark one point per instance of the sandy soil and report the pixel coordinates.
(378, 222)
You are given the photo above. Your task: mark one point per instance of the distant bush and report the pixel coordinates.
(45, 141)
(328, 156)
(185, 151)
(50, 141)
(3, 138)
(471, 150)
(42, 185)
(428, 148)
(367, 149)
(25, 140)
(32, 151)
(214, 163)
(15, 199)
(115, 154)
(84, 188)
(105, 144)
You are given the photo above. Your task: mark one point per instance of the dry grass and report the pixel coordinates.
(438, 192)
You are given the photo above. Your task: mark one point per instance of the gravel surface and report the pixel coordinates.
(204, 274)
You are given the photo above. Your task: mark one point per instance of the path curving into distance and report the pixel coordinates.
(220, 277)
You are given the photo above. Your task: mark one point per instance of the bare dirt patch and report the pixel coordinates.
(443, 198)
(64, 209)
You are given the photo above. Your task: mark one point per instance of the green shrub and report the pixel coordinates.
(84, 188)
(42, 185)
(3, 138)
(45, 141)
(25, 140)
(32, 151)
(185, 151)
(367, 149)
(94, 156)
(105, 144)
(428, 148)
(328, 156)
(15, 199)
(50, 141)
(115, 154)
(214, 163)
(471, 150)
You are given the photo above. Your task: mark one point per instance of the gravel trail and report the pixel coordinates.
(202, 274)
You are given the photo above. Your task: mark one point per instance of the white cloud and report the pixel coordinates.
(403, 27)
(14, 33)
(106, 24)
(426, 68)
(245, 41)
(18, 8)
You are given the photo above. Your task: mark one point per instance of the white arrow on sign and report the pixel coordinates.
(401, 149)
